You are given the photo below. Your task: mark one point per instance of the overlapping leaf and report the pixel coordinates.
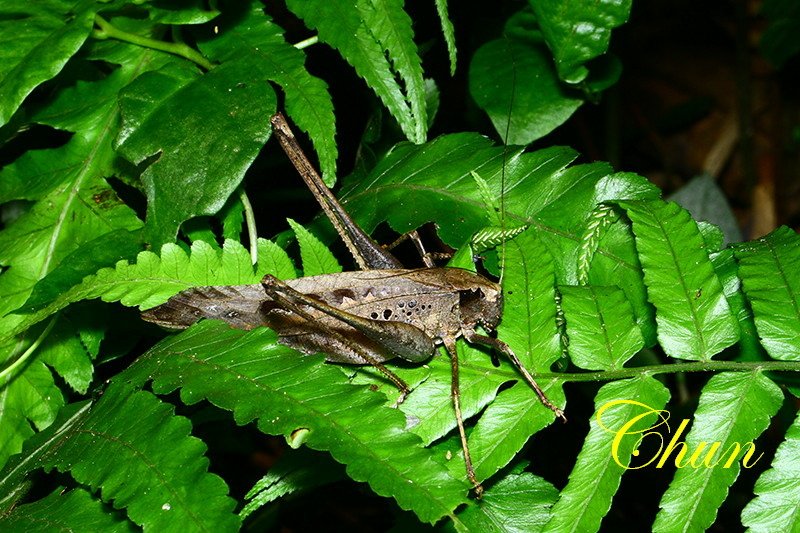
(693, 315)
(73, 510)
(250, 38)
(529, 328)
(771, 280)
(734, 408)
(520, 502)
(376, 38)
(316, 258)
(415, 185)
(257, 379)
(75, 207)
(38, 38)
(165, 480)
(152, 279)
(602, 461)
(219, 123)
(515, 83)
(602, 332)
(578, 31)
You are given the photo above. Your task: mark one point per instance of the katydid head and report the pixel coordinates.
(481, 304)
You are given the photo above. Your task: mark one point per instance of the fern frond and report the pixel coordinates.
(165, 480)
(283, 391)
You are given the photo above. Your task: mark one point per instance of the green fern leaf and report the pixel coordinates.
(693, 315)
(431, 404)
(257, 379)
(600, 464)
(734, 408)
(776, 506)
(153, 279)
(448, 32)
(74, 510)
(771, 281)
(33, 398)
(391, 27)
(274, 260)
(252, 39)
(74, 206)
(600, 325)
(369, 49)
(513, 82)
(728, 272)
(317, 259)
(297, 470)
(165, 479)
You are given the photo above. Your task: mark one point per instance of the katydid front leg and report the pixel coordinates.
(475, 338)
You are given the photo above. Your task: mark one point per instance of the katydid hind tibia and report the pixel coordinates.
(362, 317)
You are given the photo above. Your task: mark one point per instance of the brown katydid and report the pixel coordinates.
(363, 317)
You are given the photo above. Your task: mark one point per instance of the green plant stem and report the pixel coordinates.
(9, 370)
(700, 366)
(305, 43)
(109, 31)
(250, 222)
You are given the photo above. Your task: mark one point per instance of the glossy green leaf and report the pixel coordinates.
(414, 185)
(734, 408)
(771, 281)
(578, 31)
(776, 506)
(728, 272)
(38, 38)
(71, 347)
(31, 400)
(600, 325)
(165, 479)
(74, 510)
(515, 83)
(376, 38)
(101, 252)
(283, 391)
(219, 122)
(693, 315)
(602, 461)
(430, 407)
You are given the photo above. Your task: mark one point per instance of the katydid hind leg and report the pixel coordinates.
(314, 325)
(398, 338)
